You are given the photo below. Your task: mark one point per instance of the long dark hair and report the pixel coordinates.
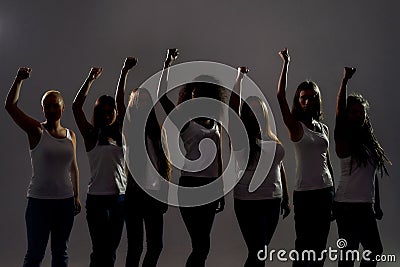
(364, 145)
(297, 111)
(203, 86)
(104, 131)
(153, 130)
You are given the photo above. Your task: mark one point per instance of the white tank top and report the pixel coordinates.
(51, 163)
(196, 135)
(311, 160)
(107, 170)
(271, 187)
(357, 183)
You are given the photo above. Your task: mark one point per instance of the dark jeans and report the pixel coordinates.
(142, 208)
(357, 224)
(312, 216)
(105, 217)
(257, 221)
(45, 217)
(198, 221)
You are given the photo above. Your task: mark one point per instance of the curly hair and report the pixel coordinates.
(364, 145)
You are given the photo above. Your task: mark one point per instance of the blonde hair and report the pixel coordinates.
(52, 93)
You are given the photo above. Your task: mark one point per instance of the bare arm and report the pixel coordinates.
(75, 176)
(285, 205)
(341, 144)
(28, 124)
(221, 201)
(294, 127)
(235, 103)
(129, 63)
(377, 204)
(84, 126)
(166, 103)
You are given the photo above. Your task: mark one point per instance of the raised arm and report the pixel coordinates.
(29, 125)
(167, 104)
(342, 94)
(129, 63)
(84, 126)
(235, 103)
(341, 144)
(294, 127)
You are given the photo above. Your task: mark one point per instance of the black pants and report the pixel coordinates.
(198, 221)
(312, 216)
(357, 225)
(105, 217)
(141, 208)
(257, 221)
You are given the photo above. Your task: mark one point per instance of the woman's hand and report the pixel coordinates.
(95, 73)
(78, 206)
(285, 208)
(129, 63)
(172, 55)
(285, 55)
(221, 205)
(23, 73)
(348, 73)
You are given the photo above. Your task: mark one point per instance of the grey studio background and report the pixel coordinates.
(61, 40)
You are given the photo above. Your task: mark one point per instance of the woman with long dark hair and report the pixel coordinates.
(147, 161)
(357, 202)
(314, 189)
(53, 193)
(258, 211)
(103, 142)
(198, 219)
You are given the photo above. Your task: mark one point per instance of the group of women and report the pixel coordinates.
(117, 194)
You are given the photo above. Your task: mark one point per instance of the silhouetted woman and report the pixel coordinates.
(53, 193)
(143, 179)
(106, 190)
(198, 219)
(257, 212)
(357, 201)
(313, 192)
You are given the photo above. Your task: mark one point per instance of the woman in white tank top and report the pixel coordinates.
(103, 142)
(257, 212)
(53, 193)
(357, 201)
(198, 219)
(313, 193)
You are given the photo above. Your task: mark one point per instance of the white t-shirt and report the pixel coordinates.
(51, 163)
(194, 137)
(357, 183)
(268, 169)
(311, 160)
(107, 170)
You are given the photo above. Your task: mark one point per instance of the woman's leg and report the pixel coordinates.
(116, 223)
(63, 219)
(257, 221)
(37, 218)
(312, 212)
(134, 230)
(370, 239)
(98, 218)
(154, 223)
(198, 222)
(347, 220)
